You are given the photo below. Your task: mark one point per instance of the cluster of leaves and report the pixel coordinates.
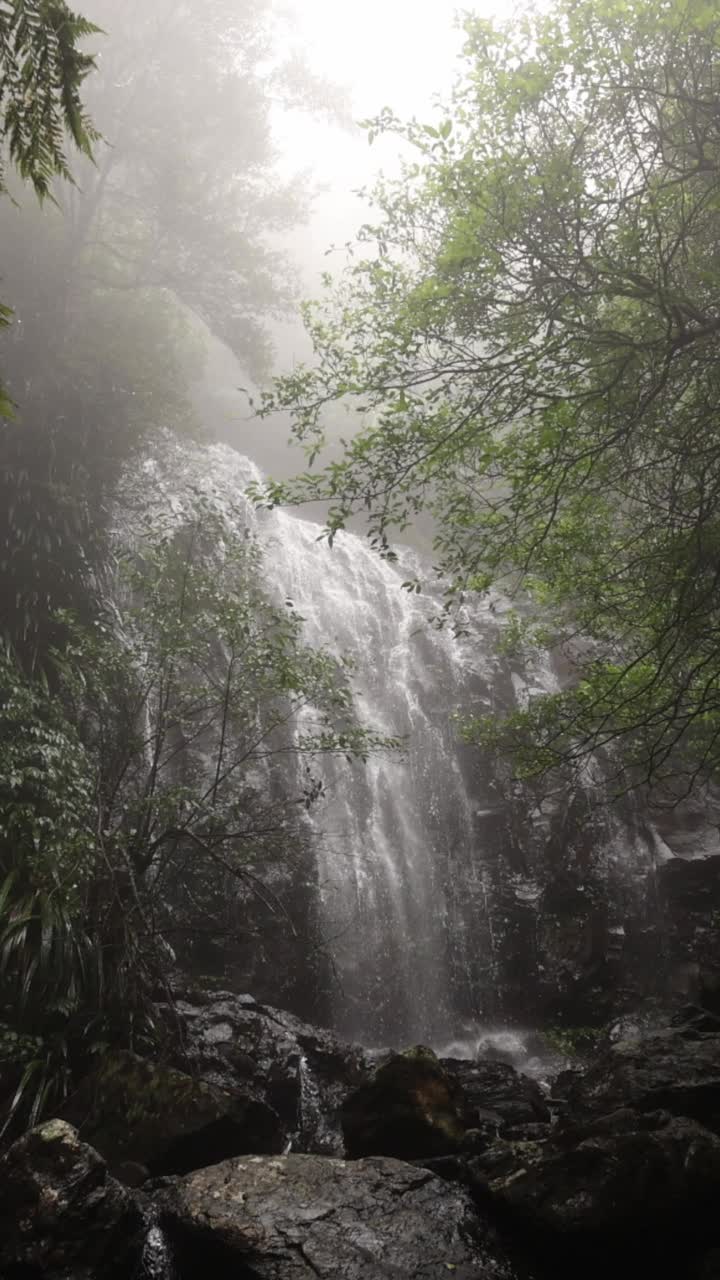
(529, 342)
(42, 73)
(43, 70)
(46, 857)
(144, 798)
(46, 835)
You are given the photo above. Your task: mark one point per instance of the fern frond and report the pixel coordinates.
(42, 69)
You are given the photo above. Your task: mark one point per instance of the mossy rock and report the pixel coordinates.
(138, 1112)
(410, 1109)
(61, 1214)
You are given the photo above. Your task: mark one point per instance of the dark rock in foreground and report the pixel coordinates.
(143, 1114)
(302, 1072)
(410, 1108)
(627, 1177)
(677, 1069)
(497, 1088)
(303, 1217)
(60, 1211)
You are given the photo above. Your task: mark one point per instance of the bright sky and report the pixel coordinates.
(397, 53)
(394, 51)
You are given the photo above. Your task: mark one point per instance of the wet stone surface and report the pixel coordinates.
(298, 1217)
(303, 1073)
(676, 1069)
(61, 1214)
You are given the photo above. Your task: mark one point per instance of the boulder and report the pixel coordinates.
(61, 1212)
(496, 1088)
(144, 1115)
(300, 1217)
(626, 1178)
(503, 1159)
(676, 1069)
(689, 891)
(410, 1108)
(302, 1072)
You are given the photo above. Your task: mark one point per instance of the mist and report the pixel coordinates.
(359, 663)
(379, 55)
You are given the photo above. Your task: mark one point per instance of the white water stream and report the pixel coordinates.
(391, 831)
(408, 846)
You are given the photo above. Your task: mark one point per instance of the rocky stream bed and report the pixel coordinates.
(270, 1149)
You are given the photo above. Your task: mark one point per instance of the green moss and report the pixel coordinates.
(420, 1053)
(574, 1042)
(55, 1130)
(131, 1107)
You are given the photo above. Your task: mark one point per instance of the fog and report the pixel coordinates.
(398, 54)
(169, 274)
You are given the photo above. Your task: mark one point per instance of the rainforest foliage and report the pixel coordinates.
(172, 228)
(160, 717)
(42, 70)
(525, 341)
(147, 799)
(527, 338)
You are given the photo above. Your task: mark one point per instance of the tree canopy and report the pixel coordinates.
(174, 222)
(164, 785)
(527, 337)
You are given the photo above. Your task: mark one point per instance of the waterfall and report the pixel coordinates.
(385, 824)
(437, 876)
(156, 1259)
(389, 832)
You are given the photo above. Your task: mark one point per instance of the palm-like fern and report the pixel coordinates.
(43, 957)
(41, 74)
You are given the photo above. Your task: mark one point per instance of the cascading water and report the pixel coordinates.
(431, 866)
(388, 830)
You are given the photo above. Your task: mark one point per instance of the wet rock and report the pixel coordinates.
(300, 1217)
(61, 1212)
(655, 1179)
(533, 1132)
(141, 1113)
(652, 1016)
(410, 1108)
(504, 1158)
(157, 1260)
(677, 1069)
(690, 892)
(487, 1130)
(491, 1048)
(497, 1087)
(693, 1021)
(302, 1072)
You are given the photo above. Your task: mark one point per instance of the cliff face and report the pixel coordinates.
(439, 895)
(591, 921)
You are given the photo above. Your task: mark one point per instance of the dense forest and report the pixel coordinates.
(135, 718)
(465, 799)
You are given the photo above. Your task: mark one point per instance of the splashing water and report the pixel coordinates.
(406, 843)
